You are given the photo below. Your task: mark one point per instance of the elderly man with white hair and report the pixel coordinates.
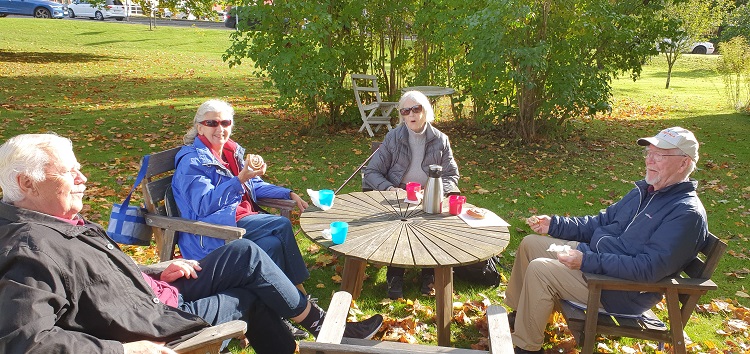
(651, 233)
(65, 287)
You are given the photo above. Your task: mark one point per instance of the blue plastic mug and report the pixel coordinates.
(338, 232)
(325, 196)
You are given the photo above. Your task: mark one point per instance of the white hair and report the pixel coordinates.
(208, 106)
(28, 155)
(421, 99)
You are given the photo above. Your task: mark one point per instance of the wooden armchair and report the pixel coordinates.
(208, 341)
(163, 216)
(331, 341)
(373, 110)
(682, 294)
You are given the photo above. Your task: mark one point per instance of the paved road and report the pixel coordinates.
(144, 21)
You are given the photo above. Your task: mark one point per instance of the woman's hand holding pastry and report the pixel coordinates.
(249, 171)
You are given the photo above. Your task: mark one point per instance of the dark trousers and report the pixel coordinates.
(396, 271)
(274, 234)
(238, 281)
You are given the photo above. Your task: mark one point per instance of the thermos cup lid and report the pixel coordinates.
(435, 171)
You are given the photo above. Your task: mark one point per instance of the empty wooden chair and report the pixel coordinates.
(373, 110)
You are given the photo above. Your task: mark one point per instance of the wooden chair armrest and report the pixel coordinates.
(281, 204)
(500, 340)
(683, 285)
(212, 335)
(195, 227)
(388, 104)
(335, 322)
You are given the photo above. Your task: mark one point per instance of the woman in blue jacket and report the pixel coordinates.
(215, 184)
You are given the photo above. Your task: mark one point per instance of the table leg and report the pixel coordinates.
(353, 276)
(444, 304)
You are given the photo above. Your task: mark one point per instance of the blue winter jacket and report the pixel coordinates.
(642, 238)
(205, 190)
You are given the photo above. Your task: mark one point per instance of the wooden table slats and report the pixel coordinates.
(385, 230)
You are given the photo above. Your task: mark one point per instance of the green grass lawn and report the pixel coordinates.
(120, 91)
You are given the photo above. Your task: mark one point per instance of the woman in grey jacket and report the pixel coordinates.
(405, 156)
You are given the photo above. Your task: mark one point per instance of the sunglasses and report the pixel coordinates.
(212, 123)
(416, 109)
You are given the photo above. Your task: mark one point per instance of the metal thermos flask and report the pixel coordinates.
(433, 194)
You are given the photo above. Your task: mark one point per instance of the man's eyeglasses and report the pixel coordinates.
(416, 109)
(212, 123)
(658, 157)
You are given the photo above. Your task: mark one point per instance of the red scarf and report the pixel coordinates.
(245, 207)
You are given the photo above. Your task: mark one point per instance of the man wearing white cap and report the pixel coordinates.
(651, 233)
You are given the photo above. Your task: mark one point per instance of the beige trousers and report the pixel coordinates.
(536, 279)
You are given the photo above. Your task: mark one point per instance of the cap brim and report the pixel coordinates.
(655, 142)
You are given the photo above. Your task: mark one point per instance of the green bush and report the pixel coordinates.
(734, 67)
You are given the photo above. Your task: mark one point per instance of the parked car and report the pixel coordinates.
(231, 19)
(36, 8)
(702, 48)
(82, 8)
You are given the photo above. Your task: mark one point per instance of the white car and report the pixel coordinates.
(702, 48)
(82, 8)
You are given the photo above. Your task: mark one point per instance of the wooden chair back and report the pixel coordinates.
(372, 109)
(682, 294)
(163, 215)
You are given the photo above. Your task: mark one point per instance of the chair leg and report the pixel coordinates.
(592, 319)
(675, 321)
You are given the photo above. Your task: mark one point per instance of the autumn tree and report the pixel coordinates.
(697, 19)
(525, 66)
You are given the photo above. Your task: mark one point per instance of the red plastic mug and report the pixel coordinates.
(411, 190)
(456, 203)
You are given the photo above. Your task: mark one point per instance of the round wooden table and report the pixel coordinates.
(384, 230)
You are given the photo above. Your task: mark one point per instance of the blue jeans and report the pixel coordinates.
(274, 234)
(238, 281)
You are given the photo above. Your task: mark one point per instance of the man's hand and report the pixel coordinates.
(301, 203)
(146, 347)
(180, 268)
(572, 259)
(539, 223)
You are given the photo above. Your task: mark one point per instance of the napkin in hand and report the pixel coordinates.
(314, 197)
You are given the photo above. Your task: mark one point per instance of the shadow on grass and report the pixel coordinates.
(46, 58)
(115, 42)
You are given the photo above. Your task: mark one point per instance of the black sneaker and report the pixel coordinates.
(395, 287)
(428, 285)
(296, 332)
(363, 329)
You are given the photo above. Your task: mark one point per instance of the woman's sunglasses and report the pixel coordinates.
(212, 123)
(416, 109)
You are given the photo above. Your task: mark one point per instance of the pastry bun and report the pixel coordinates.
(255, 161)
(478, 213)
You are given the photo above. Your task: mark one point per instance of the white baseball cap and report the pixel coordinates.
(674, 138)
